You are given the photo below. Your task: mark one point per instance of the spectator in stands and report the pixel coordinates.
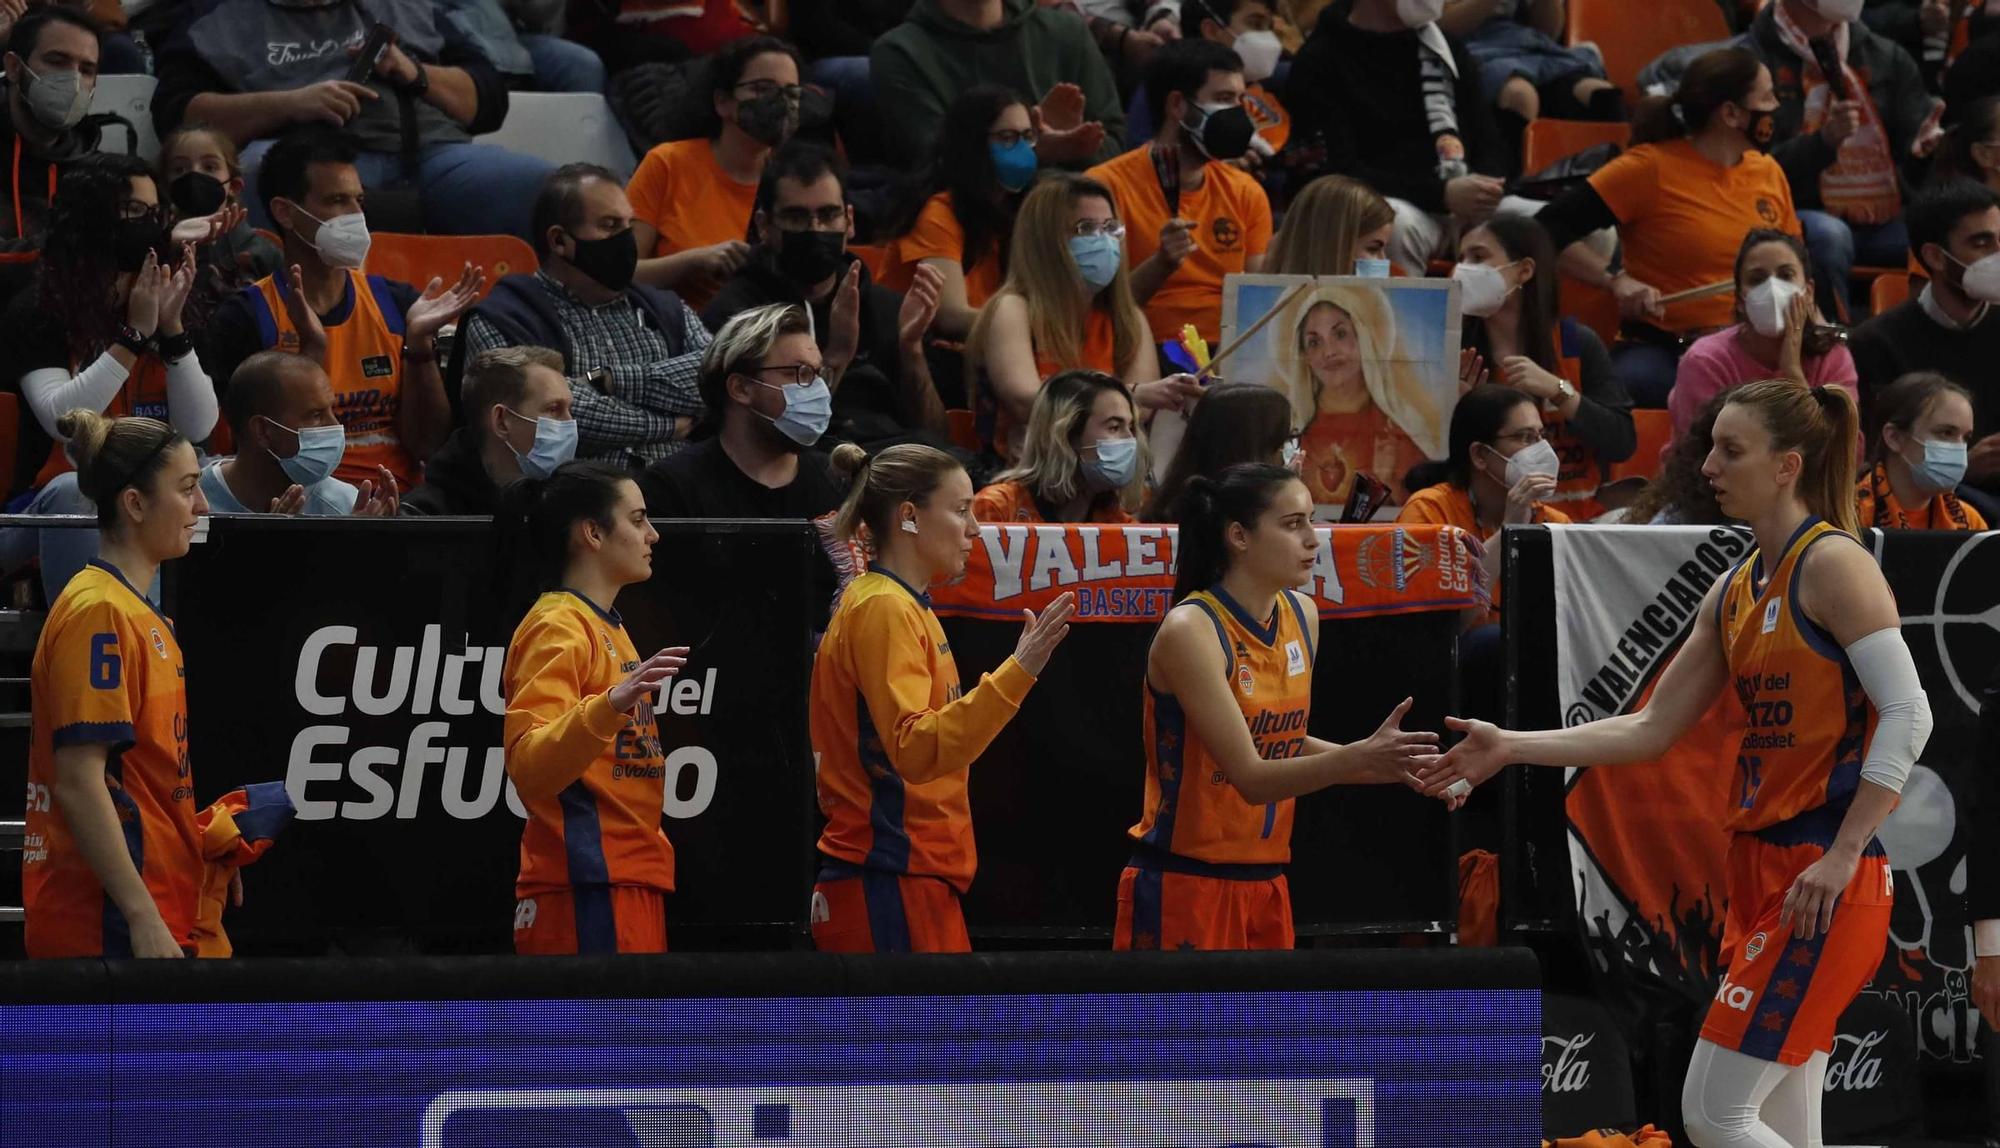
(1507, 286)
(203, 178)
(1247, 27)
(535, 61)
(1335, 226)
(1192, 216)
(836, 36)
(1949, 326)
(1066, 258)
(1844, 158)
(1524, 67)
(376, 337)
(1694, 183)
(102, 330)
(985, 161)
(1502, 472)
(1971, 146)
(1397, 104)
(1680, 495)
(1233, 422)
(288, 443)
(632, 353)
(1776, 335)
(219, 69)
(871, 339)
(1081, 460)
(947, 46)
(692, 199)
(518, 421)
(1919, 429)
(51, 63)
(768, 400)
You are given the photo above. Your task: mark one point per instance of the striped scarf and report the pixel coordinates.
(1438, 73)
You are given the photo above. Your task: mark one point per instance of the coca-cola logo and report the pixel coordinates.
(1851, 1068)
(1564, 1067)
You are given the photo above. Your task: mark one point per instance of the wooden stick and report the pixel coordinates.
(1243, 338)
(1719, 287)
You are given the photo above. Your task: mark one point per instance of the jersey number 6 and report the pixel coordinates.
(104, 663)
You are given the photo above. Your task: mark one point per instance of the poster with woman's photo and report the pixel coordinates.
(1370, 367)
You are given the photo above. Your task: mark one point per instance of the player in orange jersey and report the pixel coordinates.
(1228, 692)
(1806, 632)
(112, 863)
(893, 734)
(583, 748)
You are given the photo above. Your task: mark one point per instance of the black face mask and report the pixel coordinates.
(133, 239)
(769, 119)
(1225, 133)
(1762, 129)
(609, 261)
(197, 193)
(809, 258)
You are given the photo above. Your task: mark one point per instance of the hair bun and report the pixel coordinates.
(85, 431)
(849, 460)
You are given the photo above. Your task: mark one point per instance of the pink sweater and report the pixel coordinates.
(1715, 363)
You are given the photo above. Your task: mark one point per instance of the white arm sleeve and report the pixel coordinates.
(1882, 661)
(52, 393)
(191, 401)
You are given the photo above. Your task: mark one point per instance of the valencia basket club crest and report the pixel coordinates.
(1390, 560)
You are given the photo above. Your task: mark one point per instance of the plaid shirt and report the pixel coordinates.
(634, 424)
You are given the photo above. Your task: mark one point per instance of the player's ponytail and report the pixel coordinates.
(880, 483)
(1208, 506)
(113, 453)
(535, 519)
(1821, 423)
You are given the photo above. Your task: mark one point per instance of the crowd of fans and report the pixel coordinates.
(980, 225)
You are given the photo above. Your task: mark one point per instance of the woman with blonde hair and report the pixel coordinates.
(1356, 391)
(1082, 459)
(1066, 304)
(1335, 226)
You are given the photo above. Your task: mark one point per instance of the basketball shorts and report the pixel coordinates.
(1159, 909)
(591, 919)
(876, 912)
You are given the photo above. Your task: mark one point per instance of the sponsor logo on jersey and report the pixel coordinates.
(1734, 996)
(1754, 947)
(1245, 680)
(1771, 614)
(159, 643)
(1295, 659)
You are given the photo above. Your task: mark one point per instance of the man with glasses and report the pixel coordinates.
(763, 380)
(870, 338)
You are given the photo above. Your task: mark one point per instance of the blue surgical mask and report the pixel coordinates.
(555, 444)
(1097, 257)
(1014, 165)
(1372, 268)
(808, 411)
(1116, 464)
(320, 450)
(1943, 467)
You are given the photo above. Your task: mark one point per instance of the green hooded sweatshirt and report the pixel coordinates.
(923, 64)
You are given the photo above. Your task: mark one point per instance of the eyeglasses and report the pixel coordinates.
(1525, 437)
(1006, 138)
(803, 374)
(758, 89)
(1111, 227)
(133, 209)
(832, 217)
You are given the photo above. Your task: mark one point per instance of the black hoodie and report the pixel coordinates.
(455, 481)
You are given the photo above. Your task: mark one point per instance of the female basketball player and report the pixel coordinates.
(1228, 689)
(893, 735)
(112, 864)
(1795, 628)
(583, 747)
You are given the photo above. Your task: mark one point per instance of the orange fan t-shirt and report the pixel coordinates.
(1448, 505)
(683, 192)
(937, 235)
(1682, 217)
(108, 671)
(1339, 444)
(1014, 502)
(1232, 218)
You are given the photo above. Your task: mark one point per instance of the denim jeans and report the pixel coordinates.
(64, 550)
(563, 65)
(1837, 245)
(1647, 370)
(469, 189)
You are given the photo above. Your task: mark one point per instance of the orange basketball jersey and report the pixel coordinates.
(592, 779)
(107, 671)
(895, 739)
(144, 394)
(1809, 720)
(1192, 810)
(364, 363)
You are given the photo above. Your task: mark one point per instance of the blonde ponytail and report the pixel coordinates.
(1822, 424)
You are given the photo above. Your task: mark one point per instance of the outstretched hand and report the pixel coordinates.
(649, 676)
(1480, 754)
(1388, 754)
(1040, 633)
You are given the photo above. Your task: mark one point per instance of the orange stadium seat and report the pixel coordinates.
(1655, 429)
(10, 435)
(1630, 33)
(417, 259)
(1547, 140)
(1889, 290)
(964, 429)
